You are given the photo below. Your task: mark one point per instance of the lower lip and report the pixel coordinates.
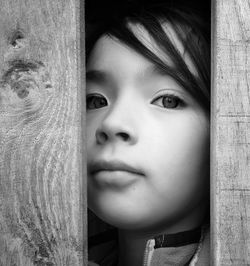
(115, 178)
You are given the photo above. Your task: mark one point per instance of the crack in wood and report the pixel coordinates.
(17, 39)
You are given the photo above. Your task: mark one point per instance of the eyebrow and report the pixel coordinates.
(158, 70)
(97, 76)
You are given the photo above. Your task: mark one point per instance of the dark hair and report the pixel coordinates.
(193, 33)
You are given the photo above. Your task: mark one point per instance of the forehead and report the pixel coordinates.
(108, 50)
(106, 45)
(112, 60)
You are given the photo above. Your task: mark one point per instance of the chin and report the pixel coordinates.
(119, 217)
(144, 220)
(127, 219)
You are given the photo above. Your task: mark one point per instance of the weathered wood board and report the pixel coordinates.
(42, 185)
(230, 190)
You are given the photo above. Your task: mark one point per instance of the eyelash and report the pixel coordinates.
(92, 104)
(171, 100)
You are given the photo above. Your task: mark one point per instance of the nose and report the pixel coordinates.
(118, 125)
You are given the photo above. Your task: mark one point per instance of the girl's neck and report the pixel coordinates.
(131, 248)
(132, 244)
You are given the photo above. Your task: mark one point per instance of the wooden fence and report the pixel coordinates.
(42, 189)
(230, 158)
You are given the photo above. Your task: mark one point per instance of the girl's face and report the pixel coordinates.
(147, 143)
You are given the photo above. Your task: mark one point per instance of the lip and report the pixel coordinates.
(97, 166)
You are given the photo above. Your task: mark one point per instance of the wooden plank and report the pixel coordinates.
(231, 134)
(42, 196)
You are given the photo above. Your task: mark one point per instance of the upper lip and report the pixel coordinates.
(96, 166)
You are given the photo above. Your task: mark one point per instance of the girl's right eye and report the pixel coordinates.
(95, 101)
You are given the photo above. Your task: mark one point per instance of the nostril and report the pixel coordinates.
(101, 137)
(124, 136)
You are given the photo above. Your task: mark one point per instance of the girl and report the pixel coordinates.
(148, 83)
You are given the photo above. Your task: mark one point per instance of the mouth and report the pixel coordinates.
(112, 166)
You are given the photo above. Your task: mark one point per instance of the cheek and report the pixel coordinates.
(180, 154)
(90, 141)
(92, 123)
(180, 139)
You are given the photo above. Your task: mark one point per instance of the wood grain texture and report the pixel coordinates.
(231, 134)
(42, 184)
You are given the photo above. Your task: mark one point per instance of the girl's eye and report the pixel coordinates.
(95, 101)
(168, 101)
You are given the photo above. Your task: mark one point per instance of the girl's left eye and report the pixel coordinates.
(95, 101)
(168, 101)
